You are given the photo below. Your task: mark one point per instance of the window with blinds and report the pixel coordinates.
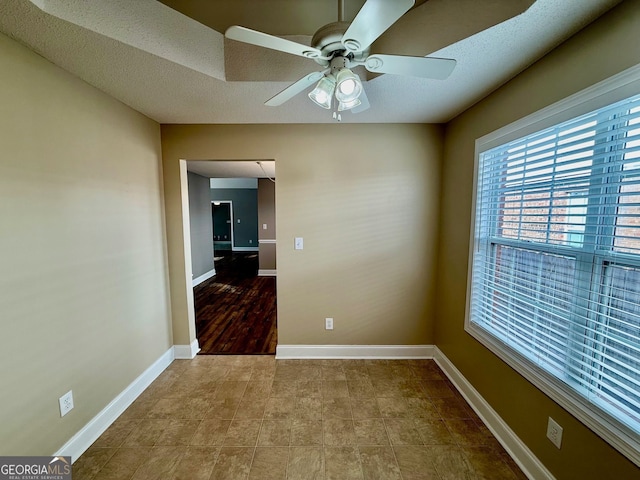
(555, 275)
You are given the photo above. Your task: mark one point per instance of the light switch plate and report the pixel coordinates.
(298, 243)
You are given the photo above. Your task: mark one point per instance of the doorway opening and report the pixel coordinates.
(235, 310)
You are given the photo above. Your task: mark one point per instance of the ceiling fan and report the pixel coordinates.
(339, 47)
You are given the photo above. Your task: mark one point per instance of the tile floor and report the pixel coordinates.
(252, 417)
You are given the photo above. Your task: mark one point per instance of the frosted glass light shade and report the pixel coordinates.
(322, 95)
(348, 105)
(348, 86)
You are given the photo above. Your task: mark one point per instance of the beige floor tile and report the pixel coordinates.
(266, 372)
(234, 463)
(279, 408)
(434, 432)
(342, 463)
(356, 374)
(394, 407)
(379, 463)
(116, 434)
(123, 464)
(437, 389)
(332, 373)
(421, 408)
(178, 432)
(311, 372)
(275, 433)
(161, 463)
(196, 464)
(230, 389)
(242, 433)
(370, 431)
(338, 432)
(308, 408)
(138, 410)
(281, 388)
(222, 408)
(91, 461)
(237, 417)
(335, 388)
(189, 408)
(147, 433)
(258, 389)
(363, 407)
(210, 432)
(450, 462)
(465, 432)
(306, 432)
(269, 463)
(452, 408)
(339, 407)
(415, 463)
(360, 387)
(305, 463)
(309, 388)
(251, 408)
(486, 466)
(402, 431)
(410, 387)
(239, 373)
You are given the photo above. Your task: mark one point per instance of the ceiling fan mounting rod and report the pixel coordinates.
(341, 10)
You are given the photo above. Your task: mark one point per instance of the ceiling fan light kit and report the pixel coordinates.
(322, 95)
(339, 46)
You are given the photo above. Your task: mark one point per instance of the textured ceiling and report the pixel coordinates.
(175, 69)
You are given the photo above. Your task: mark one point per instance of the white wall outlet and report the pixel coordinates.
(250, 241)
(238, 220)
(264, 226)
(328, 323)
(298, 243)
(66, 403)
(554, 432)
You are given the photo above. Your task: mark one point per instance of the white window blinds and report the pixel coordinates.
(556, 261)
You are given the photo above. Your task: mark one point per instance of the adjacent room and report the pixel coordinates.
(443, 253)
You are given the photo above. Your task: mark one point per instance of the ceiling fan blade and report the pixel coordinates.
(246, 35)
(364, 103)
(295, 88)
(373, 19)
(424, 67)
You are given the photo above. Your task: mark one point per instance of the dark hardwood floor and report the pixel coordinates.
(236, 309)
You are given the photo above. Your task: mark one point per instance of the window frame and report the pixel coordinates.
(609, 91)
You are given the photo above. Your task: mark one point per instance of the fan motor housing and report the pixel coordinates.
(328, 39)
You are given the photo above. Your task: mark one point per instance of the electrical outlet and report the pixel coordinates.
(66, 403)
(554, 432)
(328, 323)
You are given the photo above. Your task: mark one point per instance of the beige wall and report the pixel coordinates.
(267, 216)
(603, 49)
(365, 200)
(83, 283)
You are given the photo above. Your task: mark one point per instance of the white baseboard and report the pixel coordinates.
(82, 440)
(267, 273)
(354, 351)
(203, 277)
(516, 448)
(186, 352)
(245, 249)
